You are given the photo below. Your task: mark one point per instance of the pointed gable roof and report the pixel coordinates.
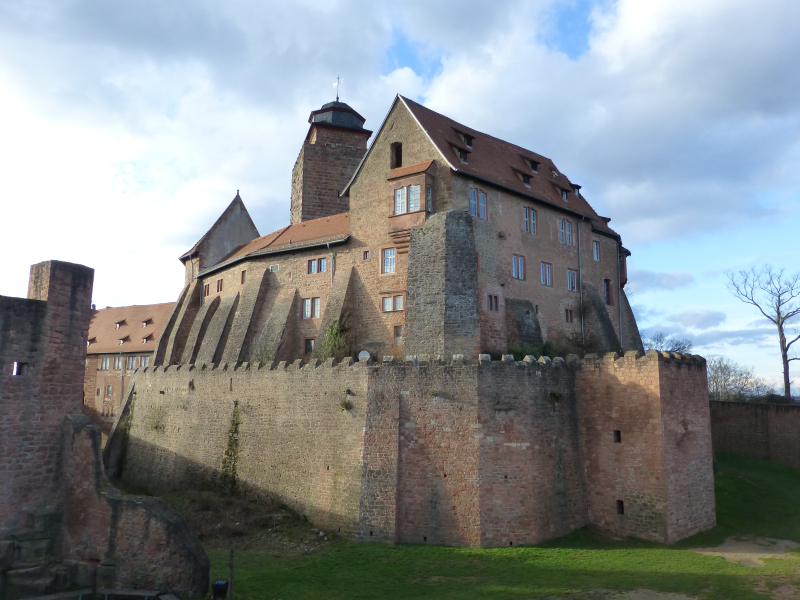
(233, 228)
(497, 162)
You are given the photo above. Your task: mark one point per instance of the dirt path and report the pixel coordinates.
(749, 551)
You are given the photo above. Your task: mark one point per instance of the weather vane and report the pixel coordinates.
(338, 82)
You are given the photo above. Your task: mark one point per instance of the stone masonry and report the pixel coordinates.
(61, 524)
(463, 452)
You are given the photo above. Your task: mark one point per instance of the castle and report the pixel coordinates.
(434, 250)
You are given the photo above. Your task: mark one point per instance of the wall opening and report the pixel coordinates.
(20, 368)
(617, 436)
(620, 507)
(396, 155)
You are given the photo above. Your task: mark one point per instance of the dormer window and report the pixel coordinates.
(467, 139)
(90, 341)
(462, 154)
(119, 324)
(555, 173)
(526, 179)
(396, 151)
(123, 340)
(147, 322)
(147, 338)
(532, 165)
(563, 194)
(577, 190)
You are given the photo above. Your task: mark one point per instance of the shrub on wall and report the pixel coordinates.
(334, 344)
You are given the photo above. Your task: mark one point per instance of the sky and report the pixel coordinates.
(127, 128)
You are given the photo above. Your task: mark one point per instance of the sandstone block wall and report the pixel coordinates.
(47, 334)
(468, 453)
(763, 431)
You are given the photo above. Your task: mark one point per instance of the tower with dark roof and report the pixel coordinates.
(333, 148)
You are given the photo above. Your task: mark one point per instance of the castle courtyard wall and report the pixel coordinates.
(463, 452)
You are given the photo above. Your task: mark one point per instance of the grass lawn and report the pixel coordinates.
(753, 498)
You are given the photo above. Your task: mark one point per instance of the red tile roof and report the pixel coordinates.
(500, 162)
(308, 233)
(411, 170)
(104, 336)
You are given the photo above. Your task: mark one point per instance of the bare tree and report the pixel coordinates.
(662, 343)
(728, 380)
(775, 295)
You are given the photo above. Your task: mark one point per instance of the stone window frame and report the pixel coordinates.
(398, 329)
(572, 281)
(314, 304)
(493, 302)
(144, 361)
(608, 294)
(366, 255)
(475, 196)
(109, 391)
(568, 315)
(393, 298)
(206, 290)
(382, 266)
(244, 275)
(117, 363)
(518, 270)
(596, 255)
(318, 265)
(565, 232)
(307, 345)
(530, 220)
(219, 284)
(406, 199)
(546, 274)
(131, 363)
(104, 363)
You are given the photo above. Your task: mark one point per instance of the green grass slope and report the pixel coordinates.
(753, 498)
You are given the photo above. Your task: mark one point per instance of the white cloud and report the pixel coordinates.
(699, 318)
(640, 280)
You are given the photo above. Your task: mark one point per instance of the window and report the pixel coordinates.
(312, 266)
(617, 436)
(547, 272)
(467, 139)
(429, 198)
(572, 281)
(532, 164)
(147, 338)
(494, 304)
(366, 254)
(310, 308)
(144, 361)
(529, 220)
(463, 155)
(219, 285)
(398, 335)
(577, 191)
(119, 324)
(309, 346)
(104, 363)
(413, 198)
(90, 341)
(131, 362)
(147, 322)
(117, 362)
(400, 201)
(607, 298)
(620, 507)
(244, 273)
(109, 390)
(477, 203)
(391, 303)
(563, 194)
(517, 267)
(568, 315)
(526, 179)
(396, 151)
(274, 268)
(596, 250)
(19, 368)
(388, 260)
(323, 265)
(555, 173)
(565, 232)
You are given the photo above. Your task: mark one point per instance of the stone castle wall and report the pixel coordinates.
(468, 453)
(763, 431)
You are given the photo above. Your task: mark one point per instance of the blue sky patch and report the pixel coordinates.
(572, 27)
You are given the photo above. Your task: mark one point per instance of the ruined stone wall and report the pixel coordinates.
(468, 453)
(763, 431)
(46, 335)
